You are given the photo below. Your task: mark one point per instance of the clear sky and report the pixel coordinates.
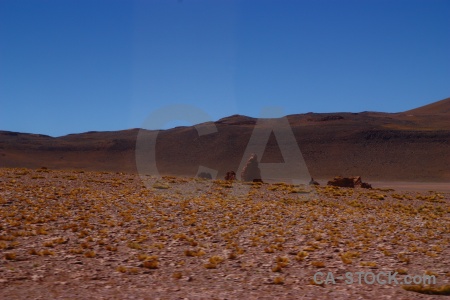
(75, 66)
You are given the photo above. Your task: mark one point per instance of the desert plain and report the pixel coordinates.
(77, 221)
(71, 234)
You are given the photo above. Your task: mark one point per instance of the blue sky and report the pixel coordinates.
(75, 66)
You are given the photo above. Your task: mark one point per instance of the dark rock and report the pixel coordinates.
(342, 182)
(349, 182)
(204, 175)
(313, 182)
(356, 180)
(231, 175)
(366, 185)
(251, 170)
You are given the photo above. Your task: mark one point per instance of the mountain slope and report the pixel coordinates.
(408, 146)
(435, 108)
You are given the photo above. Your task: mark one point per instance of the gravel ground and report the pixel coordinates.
(91, 235)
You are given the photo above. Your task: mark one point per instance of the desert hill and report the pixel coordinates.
(408, 146)
(435, 108)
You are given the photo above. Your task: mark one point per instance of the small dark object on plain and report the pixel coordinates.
(231, 175)
(350, 182)
(313, 182)
(342, 182)
(251, 170)
(204, 175)
(366, 185)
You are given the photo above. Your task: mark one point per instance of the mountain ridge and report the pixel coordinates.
(409, 146)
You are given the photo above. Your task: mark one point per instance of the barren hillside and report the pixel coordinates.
(408, 146)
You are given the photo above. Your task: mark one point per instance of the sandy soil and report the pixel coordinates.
(415, 186)
(439, 187)
(90, 235)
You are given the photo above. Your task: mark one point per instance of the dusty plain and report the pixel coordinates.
(110, 235)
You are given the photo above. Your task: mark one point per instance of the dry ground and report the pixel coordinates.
(90, 235)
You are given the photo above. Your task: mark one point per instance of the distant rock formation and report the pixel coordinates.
(251, 170)
(366, 185)
(349, 182)
(356, 180)
(342, 182)
(313, 182)
(326, 118)
(204, 175)
(231, 175)
(332, 118)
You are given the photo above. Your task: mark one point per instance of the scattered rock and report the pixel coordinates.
(366, 185)
(205, 175)
(313, 182)
(342, 182)
(231, 175)
(350, 182)
(356, 180)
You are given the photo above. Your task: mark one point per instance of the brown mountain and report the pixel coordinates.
(410, 146)
(436, 108)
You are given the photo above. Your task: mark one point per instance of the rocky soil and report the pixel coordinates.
(98, 235)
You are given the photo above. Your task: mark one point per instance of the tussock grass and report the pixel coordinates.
(318, 264)
(172, 230)
(428, 289)
(278, 280)
(10, 256)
